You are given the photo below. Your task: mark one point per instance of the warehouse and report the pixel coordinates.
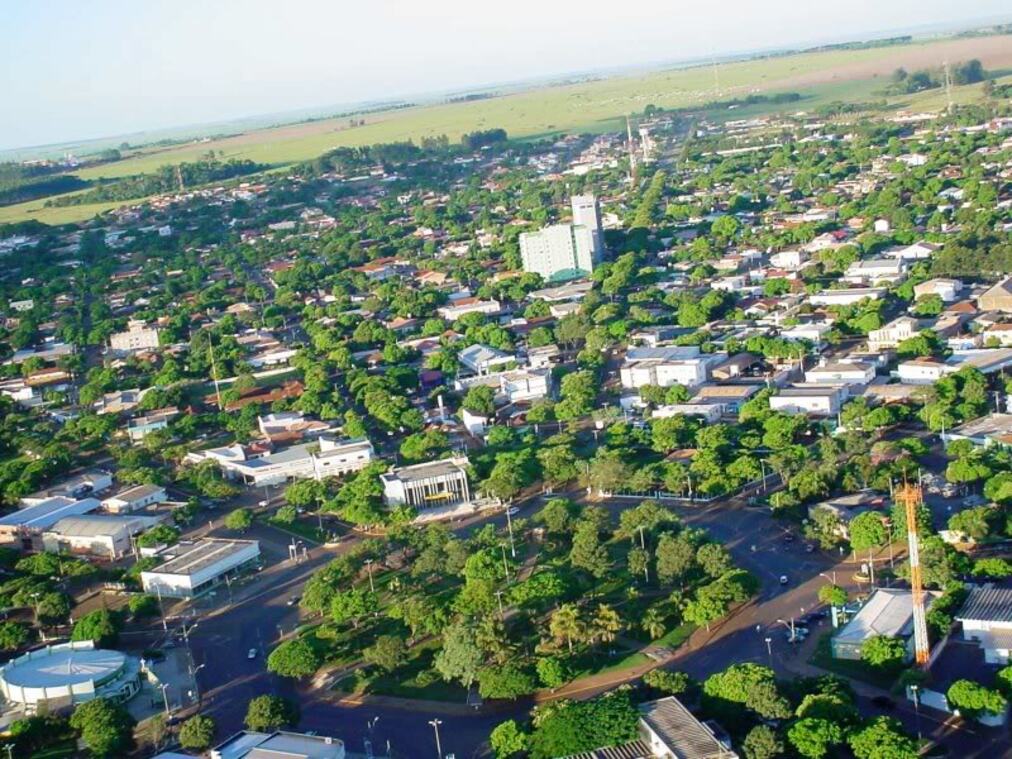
(194, 568)
(25, 525)
(95, 535)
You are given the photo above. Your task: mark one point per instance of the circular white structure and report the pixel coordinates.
(69, 673)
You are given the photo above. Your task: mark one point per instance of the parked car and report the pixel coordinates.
(783, 579)
(513, 510)
(251, 654)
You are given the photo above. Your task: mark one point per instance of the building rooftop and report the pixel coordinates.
(201, 555)
(992, 424)
(987, 602)
(683, 734)
(138, 492)
(62, 665)
(888, 612)
(279, 745)
(428, 470)
(48, 512)
(93, 525)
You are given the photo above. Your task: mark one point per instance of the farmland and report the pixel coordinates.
(593, 106)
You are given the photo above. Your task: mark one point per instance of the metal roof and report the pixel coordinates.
(988, 603)
(61, 666)
(47, 513)
(201, 555)
(888, 612)
(683, 734)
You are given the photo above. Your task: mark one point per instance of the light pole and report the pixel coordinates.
(509, 526)
(435, 726)
(769, 649)
(646, 564)
(917, 709)
(164, 687)
(789, 626)
(498, 595)
(505, 564)
(368, 566)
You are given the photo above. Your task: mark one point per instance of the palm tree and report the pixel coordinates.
(653, 623)
(606, 623)
(566, 624)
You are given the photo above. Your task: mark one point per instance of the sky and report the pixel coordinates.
(75, 70)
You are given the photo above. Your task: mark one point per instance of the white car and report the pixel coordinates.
(252, 654)
(783, 579)
(513, 510)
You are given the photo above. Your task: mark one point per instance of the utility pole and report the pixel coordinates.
(631, 146)
(368, 565)
(948, 85)
(509, 526)
(646, 564)
(214, 371)
(435, 726)
(505, 564)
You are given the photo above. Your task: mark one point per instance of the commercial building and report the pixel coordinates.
(84, 484)
(889, 612)
(811, 401)
(328, 457)
(434, 483)
(587, 213)
(993, 429)
(893, 333)
(558, 252)
(526, 385)
(194, 568)
(27, 524)
(136, 337)
(55, 678)
(101, 536)
(279, 745)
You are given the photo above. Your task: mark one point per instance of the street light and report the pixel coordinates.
(435, 726)
(769, 649)
(917, 709)
(368, 565)
(163, 687)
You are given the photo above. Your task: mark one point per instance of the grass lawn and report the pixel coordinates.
(301, 528)
(415, 679)
(858, 670)
(64, 749)
(677, 636)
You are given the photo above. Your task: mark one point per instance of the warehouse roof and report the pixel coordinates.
(93, 525)
(201, 555)
(989, 603)
(48, 512)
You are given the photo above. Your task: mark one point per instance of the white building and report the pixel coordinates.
(916, 252)
(481, 359)
(888, 612)
(892, 334)
(97, 535)
(986, 617)
(526, 385)
(666, 366)
(278, 745)
(846, 296)
(24, 525)
(838, 372)
(558, 252)
(791, 260)
(947, 289)
(137, 337)
(457, 308)
(921, 371)
(134, 498)
(813, 332)
(587, 213)
(193, 568)
(875, 270)
(434, 483)
(330, 457)
(811, 401)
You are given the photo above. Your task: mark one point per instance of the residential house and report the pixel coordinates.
(482, 359)
(875, 270)
(846, 296)
(947, 289)
(823, 401)
(986, 617)
(892, 334)
(847, 373)
(134, 498)
(137, 337)
(998, 297)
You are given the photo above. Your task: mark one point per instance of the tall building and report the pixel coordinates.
(587, 213)
(558, 252)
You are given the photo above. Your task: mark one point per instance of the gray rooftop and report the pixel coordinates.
(428, 470)
(49, 512)
(888, 612)
(201, 555)
(682, 733)
(989, 603)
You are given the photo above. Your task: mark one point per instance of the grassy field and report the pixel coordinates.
(594, 106)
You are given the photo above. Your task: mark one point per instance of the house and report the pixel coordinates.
(481, 359)
(844, 508)
(915, 252)
(998, 333)
(846, 296)
(813, 332)
(888, 612)
(433, 483)
(811, 401)
(279, 745)
(792, 260)
(847, 373)
(892, 334)
(998, 297)
(708, 412)
(526, 385)
(456, 309)
(947, 289)
(668, 730)
(80, 485)
(682, 365)
(137, 337)
(543, 357)
(730, 398)
(986, 617)
(993, 429)
(875, 270)
(142, 426)
(134, 499)
(921, 371)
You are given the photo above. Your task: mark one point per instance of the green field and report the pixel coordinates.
(593, 106)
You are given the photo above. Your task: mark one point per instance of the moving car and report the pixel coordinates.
(252, 654)
(783, 579)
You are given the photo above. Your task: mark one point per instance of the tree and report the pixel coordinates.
(973, 700)
(143, 605)
(751, 685)
(52, 607)
(460, 658)
(270, 713)
(638, 562)
(388, 652)
(239, 520)
(833, 595)
(160, 535)
(351, 605)
(553, 672)
(973, 523)
(667, 682)
(508, 740)
(762, 742)
(100, 626)
(868, 530)
(813, 737)
(197, 733)
(507, 681)
(294, 658)
(480, 400)
(884, 652)
(587, 552)
(564, 728)
(606, 624)
(557, 516)
(714, 559)
(566, 624)
(12, 635)
(882, 738)
(105, 727)
(675, 555)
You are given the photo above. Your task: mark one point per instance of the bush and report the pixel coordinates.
(974, 701)
(105, 727)
(197, 733)
(270, 713)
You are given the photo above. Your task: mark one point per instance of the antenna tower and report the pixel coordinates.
(631, 147)
(948, 84)
(910, 497)
(179, 178)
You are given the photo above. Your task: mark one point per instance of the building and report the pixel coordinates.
(81, 485)
(587, 213)
(811, 401)
(137, 337)
(28, 523)
(193, 568)
(839, 372)
(95, 535)
(666, 366)
(134, 499)
(526, 385)
(558, 252)
(846, 296)
(279, 745)
(993, 429)
(55, 678)
(892, 334)
(457, 308)
(571, 291)
(140, 427)
(434, 483)
(328, 457)
(889, 612)
(730, 397)
(946, 289)
(986, 617)
(997, 298)
(845, 508)
(668, 730)
(481, 359)
(875, 270)
(921, 371)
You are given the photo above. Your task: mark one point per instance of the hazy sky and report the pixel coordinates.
(75, 70)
